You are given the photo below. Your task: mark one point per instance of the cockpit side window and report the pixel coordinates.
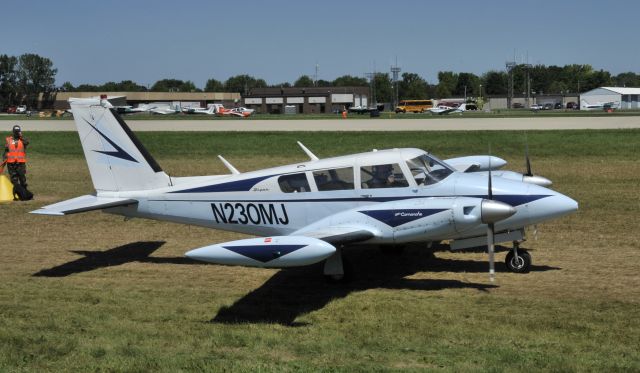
(383, 176)
(334, 179)
(294, 183)
(427, 169)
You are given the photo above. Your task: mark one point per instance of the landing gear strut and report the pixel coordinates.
(335, 269)
(518, 260)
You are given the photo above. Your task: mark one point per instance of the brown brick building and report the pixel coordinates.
(307, 100)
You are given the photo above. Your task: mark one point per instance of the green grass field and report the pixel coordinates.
(91, 292)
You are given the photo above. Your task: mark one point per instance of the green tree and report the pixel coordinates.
(350, 81)
(628, 79)
(447, 81)
(8, 80)
(303, 81)
(174, 85)
(495, 83)
(213, 85)
(467, 83)
(383, 87)
(123, 86)
(243, 83)
(35, 75)
(68, 87)
(281, 85)
(412, 87)
(323, 83)
(597, 79)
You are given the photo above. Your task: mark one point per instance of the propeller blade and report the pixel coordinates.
(491, 249)
(490, 228)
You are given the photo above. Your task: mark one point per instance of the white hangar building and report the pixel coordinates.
(618, 97)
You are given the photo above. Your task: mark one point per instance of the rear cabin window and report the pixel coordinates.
(383, 176)
(334, 179)
(295, 183)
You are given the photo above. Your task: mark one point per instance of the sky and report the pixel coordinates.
(279, 40)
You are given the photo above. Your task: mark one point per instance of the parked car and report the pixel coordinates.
(573, 105)
(11, 109)
(558, 105)
(536, 107)
(548, 106)
(22, 109)
(517, 105)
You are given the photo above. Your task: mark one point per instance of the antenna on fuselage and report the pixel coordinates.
(309, 153)
(229, 165)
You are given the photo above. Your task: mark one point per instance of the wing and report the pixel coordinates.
(340, 235)
(83, 204)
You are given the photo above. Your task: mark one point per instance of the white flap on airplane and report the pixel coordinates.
(339, 234)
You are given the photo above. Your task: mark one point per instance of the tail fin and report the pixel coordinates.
(116, 158)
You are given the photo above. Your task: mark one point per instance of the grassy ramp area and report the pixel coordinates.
(91, 292)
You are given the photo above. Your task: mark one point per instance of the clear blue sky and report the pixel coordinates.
(279, 40)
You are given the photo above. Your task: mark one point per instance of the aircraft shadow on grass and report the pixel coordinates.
(92, 260)
(296, 291)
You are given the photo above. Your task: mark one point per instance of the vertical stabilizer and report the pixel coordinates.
(117, 160)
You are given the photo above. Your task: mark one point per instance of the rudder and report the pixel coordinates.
(117, 160)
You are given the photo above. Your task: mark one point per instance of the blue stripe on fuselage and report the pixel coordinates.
(510, 199)
(394, 218)
(231, 186)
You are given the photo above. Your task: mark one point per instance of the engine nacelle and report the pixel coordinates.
(267, 252)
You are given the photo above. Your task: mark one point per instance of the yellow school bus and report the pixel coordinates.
(414, 106)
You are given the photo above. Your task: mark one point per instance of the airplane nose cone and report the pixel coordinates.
(494, 211)
(565, 205)
(551, 207)
(537, 180)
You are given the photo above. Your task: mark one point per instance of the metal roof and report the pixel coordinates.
(624, 90)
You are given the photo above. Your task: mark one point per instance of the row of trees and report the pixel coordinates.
(23, 78)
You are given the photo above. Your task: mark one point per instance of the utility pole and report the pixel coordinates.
(372, 86)
(395, 71)
(315, 76)
(510, 65)
(528, 83)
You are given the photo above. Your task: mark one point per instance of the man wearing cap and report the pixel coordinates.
(16, 158)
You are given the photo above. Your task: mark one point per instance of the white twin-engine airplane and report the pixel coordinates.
(309, 211)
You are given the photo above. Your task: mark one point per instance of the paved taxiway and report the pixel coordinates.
(445, 124)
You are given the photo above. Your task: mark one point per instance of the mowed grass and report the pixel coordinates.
(93, 292)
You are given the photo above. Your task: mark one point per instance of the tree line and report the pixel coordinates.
(23, 78)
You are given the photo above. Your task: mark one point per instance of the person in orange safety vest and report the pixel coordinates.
(16, 158)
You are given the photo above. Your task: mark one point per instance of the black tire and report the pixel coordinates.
(521, 266)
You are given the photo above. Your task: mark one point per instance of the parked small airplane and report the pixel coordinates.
(598, 106)
(309, 212)
(444, 109)
(243, 111)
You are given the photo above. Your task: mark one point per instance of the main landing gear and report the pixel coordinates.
(518, 260)
(336, 270)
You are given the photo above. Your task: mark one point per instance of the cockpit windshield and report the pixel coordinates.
(427, 169)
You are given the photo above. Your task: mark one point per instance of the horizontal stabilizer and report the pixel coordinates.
(83, 204)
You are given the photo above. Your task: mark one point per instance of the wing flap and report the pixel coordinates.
(83, 204)
(340, 235)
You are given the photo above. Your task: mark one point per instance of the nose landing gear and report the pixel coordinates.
(518, 260)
